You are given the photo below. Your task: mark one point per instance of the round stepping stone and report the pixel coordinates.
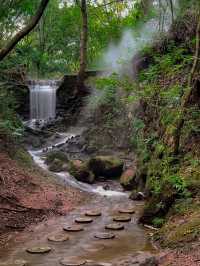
(72, 262)
(73, 228)
(58, 238)
(104, 236)
(127, 210)
(93, 213)
(38, 250)
(114, 226)
(124, 218)
(83, 220)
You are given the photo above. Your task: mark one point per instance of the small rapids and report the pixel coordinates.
(66, 177)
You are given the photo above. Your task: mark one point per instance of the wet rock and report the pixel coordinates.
(135, 195)
(84, 220)
(56, 165)
(128, 179)
(38, 250)
(129, 210)
(159, 205)
(58, 238)
(104, 235)
(122, 218)
(93, 213)
(73, 228)
(114, 226)
(51, 156)
(72, 262)
(106, 166)
(80, 171)
(106, 187)
(150, 262)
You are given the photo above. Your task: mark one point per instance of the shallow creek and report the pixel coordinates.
(83, 245)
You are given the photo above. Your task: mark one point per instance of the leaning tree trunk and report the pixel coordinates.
(83, 47)
(25, 31)
(187, 94)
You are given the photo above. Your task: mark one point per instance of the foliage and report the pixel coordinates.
(10, 124)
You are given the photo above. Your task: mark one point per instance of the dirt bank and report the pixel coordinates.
(30, 196)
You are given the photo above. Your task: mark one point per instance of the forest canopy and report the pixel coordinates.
(52, 48)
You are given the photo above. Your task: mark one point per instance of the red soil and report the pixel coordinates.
(27, 198)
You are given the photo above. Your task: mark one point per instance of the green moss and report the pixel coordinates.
(175, 234)
(51, 156)
(22, 157)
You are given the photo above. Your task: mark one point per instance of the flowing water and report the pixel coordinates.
(131, 241)
(43, 100)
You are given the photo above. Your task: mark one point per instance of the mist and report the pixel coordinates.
(117, 57)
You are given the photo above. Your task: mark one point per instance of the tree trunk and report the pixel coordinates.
(83, 47)
(25, 31)
(187, 94)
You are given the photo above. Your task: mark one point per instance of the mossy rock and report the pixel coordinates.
(56, 165)
(128, 179)
(176, 233)
(80, 171)
(158, 205)
(106, 166)
(51, 156)
(22, 157)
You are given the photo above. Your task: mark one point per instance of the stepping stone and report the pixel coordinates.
(127, 210)
(72, 262)
(104, 236)
(93, 213)
(73, 228)
(122, 218)
(115, 226)
(83, 220)
(58, 238)
(38, 250)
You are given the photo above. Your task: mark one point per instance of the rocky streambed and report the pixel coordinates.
(103, 231)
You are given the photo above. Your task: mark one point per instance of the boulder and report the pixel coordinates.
(137, 195)
(158, 205)
(106, 166)
(128, 179)
(56, 165)
(80, 171)
(51, 156)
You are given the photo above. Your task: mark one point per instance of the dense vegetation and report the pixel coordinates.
(163, 128)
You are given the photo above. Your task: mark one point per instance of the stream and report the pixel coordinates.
(108, 198)
(83, 246)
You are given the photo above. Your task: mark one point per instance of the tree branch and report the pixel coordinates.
(22, 33)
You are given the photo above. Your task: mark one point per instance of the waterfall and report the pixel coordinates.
(43, 100)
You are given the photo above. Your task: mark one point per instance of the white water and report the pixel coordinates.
(43, 100)
(68, 179)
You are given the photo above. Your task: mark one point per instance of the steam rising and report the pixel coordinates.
(117, 57)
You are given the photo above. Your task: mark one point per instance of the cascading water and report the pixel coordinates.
(43, 100)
